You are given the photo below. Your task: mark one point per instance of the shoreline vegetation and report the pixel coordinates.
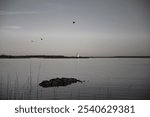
(62, 56)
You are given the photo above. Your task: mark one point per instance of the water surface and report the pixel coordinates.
(105, 78)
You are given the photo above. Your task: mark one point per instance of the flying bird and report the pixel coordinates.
(41, 38)
(73, 22)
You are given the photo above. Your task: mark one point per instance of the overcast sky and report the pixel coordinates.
(102, 27)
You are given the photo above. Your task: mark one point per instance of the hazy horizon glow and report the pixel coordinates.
(103, 27)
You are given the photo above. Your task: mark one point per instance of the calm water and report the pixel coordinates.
(105, 78)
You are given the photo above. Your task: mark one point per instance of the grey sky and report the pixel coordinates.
(103, 27)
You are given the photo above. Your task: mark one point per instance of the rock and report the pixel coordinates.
(45, 83)
(59, 82)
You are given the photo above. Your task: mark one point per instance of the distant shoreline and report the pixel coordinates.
(61, 57)
(39, 56)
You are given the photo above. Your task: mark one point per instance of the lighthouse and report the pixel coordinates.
(77, 55)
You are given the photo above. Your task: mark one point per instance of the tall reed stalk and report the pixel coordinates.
(16, 92)
(1, 86)
(130, 86)
(79, 94)
(108, 88)
(70, 94)
(54, 94)
(100, 92)
(8, 86)
(30, 81)
(37, 93)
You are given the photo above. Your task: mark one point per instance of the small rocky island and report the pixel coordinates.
(56, 82)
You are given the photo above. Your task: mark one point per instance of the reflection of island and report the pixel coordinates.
(62, 56)
(56, 82)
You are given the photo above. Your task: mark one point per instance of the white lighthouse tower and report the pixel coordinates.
(77, 55)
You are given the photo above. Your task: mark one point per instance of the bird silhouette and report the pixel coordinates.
(73, 22)
(41, 38)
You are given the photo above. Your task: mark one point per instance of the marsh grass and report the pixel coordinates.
(17, 91)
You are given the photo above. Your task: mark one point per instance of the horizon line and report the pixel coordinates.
(63, 56)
